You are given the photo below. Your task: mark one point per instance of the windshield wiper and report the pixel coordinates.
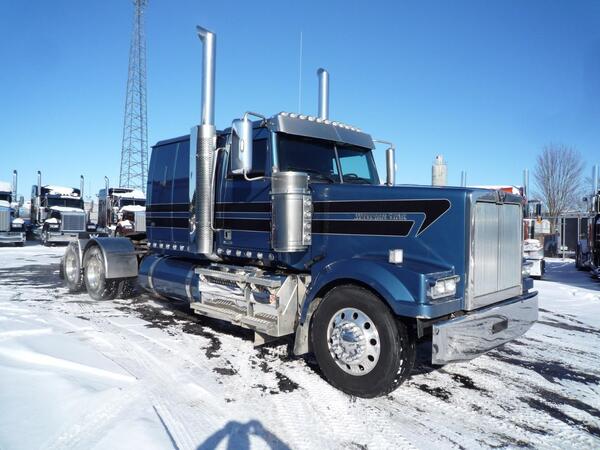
(320, 175)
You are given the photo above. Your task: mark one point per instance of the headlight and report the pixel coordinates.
(53, 226)
(17, 226)
(444, 287)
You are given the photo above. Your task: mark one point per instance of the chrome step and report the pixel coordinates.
(253, 298)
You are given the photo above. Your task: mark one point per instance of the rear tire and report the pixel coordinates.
(94, 275)
(360, 346)
(72, 270)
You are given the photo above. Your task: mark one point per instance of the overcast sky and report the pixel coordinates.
(484, 83)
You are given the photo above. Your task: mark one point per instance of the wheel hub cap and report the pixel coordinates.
(353, 341)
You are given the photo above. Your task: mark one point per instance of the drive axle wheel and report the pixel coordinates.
(72, 270)
(360, 346)
(94, 276)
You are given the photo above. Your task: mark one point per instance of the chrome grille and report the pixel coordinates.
(73, 221)
(140, 221)
(4, 219)
(496, 245)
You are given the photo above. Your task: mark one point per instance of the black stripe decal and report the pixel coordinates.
(175, 207)
(243, 224)
(368, 227)
(432, 208)
(169, 222)
(258, 207)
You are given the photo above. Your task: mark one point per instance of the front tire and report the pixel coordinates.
(45, 239)
(360, 346)
(94, 276)
(72, 270)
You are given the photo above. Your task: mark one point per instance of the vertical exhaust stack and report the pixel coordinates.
(323, 93)
(439, 172)
(81, 182)
(14, 187)
(39, 183)
(204, 140)
(595, 179)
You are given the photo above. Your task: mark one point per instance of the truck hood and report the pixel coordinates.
(133, 208)
(4, 203)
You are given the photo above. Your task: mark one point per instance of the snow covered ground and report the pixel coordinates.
(143, 373)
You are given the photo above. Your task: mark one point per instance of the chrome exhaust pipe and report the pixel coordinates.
(39, 183)
(209, 40)
(14, 186)
(106, 184)
(204, 140)
(323, 93)
(81, 182)
(595, 179)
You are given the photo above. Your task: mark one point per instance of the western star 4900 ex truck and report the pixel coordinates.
(12, 228)
(122, 211)
(282, 225)
(57, 213)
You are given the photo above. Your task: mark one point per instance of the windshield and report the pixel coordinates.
(319, 158)
(5, 196)
(132, 201)
(67, 202)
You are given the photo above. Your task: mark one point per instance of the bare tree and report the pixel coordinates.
(558, 179)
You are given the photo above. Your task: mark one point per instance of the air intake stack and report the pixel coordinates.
(202, 152)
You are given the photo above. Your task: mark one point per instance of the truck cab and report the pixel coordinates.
(588, 246)
(12, 227)
(57, 212)
(122, 211)
(282, 225)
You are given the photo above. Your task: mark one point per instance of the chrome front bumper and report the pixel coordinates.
(60, 236)
(473, 334)
(10, 237)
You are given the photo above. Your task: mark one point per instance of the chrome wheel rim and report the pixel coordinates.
(93, 273)
(353, 341)
(71, 267)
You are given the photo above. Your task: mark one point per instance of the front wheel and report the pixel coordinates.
(359, 345)
(45, 238)
(94, 276)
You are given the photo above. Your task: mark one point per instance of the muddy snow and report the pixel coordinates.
(147, 373)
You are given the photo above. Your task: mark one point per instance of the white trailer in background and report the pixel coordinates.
(12, 228)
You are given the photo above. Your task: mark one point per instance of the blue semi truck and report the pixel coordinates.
(283, 226)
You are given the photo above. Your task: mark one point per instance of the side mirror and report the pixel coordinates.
(584, 199)
(240, 145)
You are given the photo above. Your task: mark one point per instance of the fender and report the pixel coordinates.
(120, 260)
(402, 287)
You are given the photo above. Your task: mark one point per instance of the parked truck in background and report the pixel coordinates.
(282, 225)
(122, 212)
(587, 255)
(57, 213)
(12, 227)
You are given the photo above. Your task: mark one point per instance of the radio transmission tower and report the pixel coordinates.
(134, 148)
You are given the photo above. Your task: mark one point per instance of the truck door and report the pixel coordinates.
(243, 207)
